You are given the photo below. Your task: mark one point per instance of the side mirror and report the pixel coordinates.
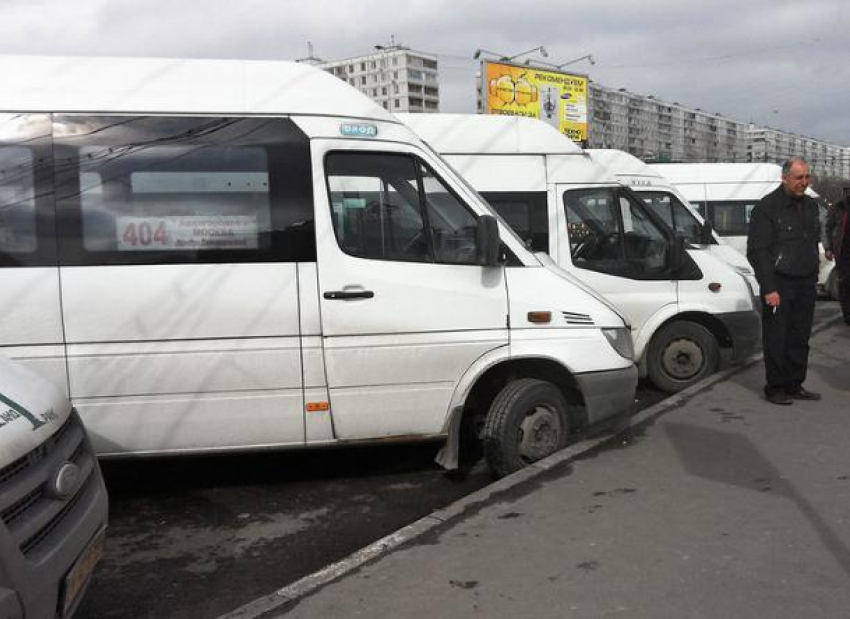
(487, 241)
(677, 254)
(706, 233)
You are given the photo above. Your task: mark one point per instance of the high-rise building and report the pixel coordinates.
(654, 130)
(398, 78)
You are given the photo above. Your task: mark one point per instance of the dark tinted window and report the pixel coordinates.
(731, 217)
(675, 214)
(392, 207)
(526, 213)
(612, 232)
(26, 199)
(141, 190)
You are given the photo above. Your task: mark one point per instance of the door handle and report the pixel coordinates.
(334, 295)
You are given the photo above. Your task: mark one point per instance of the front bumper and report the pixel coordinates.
(745, 331)
(608, 393)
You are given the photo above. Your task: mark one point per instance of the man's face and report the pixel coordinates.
(797, 180)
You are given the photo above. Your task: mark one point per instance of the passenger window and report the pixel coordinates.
(611, 232)
(731, 218)
(25, 191)
(526, 213)
(155, 189)
(17, 201)
(392, 207)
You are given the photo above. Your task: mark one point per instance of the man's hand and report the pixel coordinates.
(828, 254)
(772, 299)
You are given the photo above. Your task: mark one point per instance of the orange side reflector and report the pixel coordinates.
(315, 407)
(540, 317)
(714, 287)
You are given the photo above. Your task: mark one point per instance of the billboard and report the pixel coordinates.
(552, 96)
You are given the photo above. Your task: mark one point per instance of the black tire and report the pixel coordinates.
(527, 421)
(681, 354)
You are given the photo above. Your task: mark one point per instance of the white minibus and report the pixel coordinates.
(726, 193)
(53, 505)
(686, 307)
(218, 255)
(670, 205)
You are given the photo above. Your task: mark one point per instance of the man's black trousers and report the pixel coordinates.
(785, 334)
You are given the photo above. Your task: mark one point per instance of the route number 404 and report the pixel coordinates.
(144, 234)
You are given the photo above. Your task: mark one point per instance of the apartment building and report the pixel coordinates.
(654, 130)
(657, 131)
(398, 78)
(767, 144)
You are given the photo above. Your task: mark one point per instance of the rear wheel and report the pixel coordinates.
(527, 421)
(680, 355)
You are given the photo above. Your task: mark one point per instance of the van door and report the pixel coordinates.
(618, 249)
(31, 327)
(405, 308)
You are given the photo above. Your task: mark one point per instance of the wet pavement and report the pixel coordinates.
(714, 503)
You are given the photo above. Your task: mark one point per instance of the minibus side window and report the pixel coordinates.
(142, 190)
(731, 217)
(393, 207)
(526, 213)
(25, 191)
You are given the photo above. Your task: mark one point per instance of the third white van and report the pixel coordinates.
(726, 193)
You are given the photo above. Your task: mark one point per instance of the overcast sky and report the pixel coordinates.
(780, 63)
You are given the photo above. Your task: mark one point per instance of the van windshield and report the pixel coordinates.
(675, 214)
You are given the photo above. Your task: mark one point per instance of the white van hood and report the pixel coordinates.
(31, 410)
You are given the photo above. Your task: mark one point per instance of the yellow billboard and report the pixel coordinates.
(557, 98)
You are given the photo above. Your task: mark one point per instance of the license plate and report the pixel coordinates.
(80, 572)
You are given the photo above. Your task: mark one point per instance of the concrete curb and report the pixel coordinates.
(269, 603)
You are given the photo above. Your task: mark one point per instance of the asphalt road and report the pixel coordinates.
(200, 536)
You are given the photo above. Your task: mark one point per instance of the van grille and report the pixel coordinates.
(577, 319)
(28, 509)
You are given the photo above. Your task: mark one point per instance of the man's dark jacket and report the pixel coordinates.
(782, 239)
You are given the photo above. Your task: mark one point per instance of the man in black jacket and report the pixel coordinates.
(836, 244)
(782, 246)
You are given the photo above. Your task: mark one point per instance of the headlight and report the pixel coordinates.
(621, 340)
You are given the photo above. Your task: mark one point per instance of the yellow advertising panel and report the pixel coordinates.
(557, 98)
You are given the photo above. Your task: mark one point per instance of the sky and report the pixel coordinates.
(778, 63)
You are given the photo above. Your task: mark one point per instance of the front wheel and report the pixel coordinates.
(527, 421)
(680, 355)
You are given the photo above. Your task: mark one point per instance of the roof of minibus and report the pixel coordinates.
(720, 172)
(171, 85)
(460, 134)
(622, 163)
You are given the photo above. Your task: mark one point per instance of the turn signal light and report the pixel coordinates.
(714, 287)
(540, 317)
(316, 407)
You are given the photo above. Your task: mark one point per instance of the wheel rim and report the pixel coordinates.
(683, 359)
(540, 433)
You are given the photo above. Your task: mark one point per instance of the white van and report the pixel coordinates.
(228, 255)
(726, 193)
(53, 502)
(685, 307)
(670, 205)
